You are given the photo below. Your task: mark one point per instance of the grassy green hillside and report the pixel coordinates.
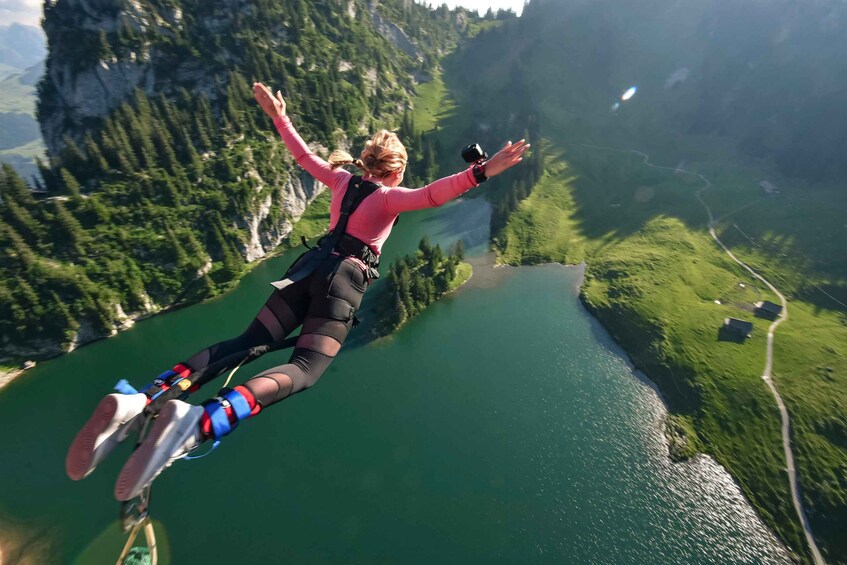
(654, 276)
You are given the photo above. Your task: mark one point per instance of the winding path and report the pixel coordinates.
(766, 375)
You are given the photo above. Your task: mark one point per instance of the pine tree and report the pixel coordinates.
(58, 307)
(20, 218)
(458, 250)
(98, 167)
(20, 251)
(13, 187)
(104, 49)
(70, 226)
(182, 259)
(72, 157)
(71, 184)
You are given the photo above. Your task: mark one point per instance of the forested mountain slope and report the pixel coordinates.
(164, 177)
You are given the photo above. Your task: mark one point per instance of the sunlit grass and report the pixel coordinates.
(432, 103)
(313, 222)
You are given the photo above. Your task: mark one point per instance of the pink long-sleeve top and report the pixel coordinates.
(373, 219)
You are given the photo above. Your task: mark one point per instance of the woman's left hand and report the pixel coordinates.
(274, 106)
(506, 158)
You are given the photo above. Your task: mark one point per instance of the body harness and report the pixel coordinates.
(174, 384)
(337, 240)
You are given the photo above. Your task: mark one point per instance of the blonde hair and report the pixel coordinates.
(382, 155)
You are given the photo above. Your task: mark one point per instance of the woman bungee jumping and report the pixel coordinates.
(321, 292)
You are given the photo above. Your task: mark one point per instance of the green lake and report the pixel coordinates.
(501, 425)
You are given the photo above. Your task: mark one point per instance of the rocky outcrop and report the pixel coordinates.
(78, 89)
(395, 35)
(91, 93)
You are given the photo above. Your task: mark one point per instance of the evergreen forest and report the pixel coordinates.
(166, 196)
(415, 281)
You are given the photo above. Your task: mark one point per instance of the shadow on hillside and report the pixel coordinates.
(725, 334)
(825, 297)
(617, 194)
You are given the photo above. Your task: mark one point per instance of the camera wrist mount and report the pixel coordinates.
(476, 155)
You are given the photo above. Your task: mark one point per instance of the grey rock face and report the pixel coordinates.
(395, 35)
(92, 93)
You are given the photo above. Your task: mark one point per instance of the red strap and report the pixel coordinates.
(255, 408)
(181, 370)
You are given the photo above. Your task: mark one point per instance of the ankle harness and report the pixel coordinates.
(217, 407)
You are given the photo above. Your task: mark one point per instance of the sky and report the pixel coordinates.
(29, 11)
(26, 12)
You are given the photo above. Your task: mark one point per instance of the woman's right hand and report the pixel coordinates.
(506, 158)
(274, 106)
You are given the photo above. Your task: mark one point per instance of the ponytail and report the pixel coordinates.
(340, 158)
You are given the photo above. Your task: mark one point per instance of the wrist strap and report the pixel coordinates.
(478, 171)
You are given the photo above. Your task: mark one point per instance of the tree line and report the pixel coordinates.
(414, 282)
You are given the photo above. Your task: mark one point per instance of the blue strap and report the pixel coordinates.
(159, 381)
(239, 404)
(123, 387)
(219, 419)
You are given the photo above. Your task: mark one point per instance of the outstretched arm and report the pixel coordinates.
(274, 107)
(399, 200)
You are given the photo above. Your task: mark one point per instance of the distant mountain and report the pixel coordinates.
(32, 75)
(22, 54)
(17, 129)
(768, 78)
(22, 46)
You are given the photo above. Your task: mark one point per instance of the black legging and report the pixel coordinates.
(323, 302)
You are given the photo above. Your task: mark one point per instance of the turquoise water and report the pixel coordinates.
(501, 425)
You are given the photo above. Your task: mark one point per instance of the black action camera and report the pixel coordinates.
(474, 154)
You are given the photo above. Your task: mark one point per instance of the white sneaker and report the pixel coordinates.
(176, 431)
(112, 421)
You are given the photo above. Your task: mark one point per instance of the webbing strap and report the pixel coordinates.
(188, 457)
(123, 387)
(239, 404)
(219, 419)
(357, 191)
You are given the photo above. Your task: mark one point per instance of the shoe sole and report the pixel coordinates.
(81, 453)
(128, 484)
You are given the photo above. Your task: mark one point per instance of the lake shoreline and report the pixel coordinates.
(10, 376)
(642, 376)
